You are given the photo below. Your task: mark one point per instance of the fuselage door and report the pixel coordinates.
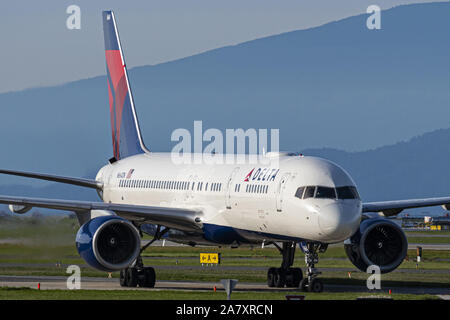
(280, 190)
(228, 190)
(192, 181)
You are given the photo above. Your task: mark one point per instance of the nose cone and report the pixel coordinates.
(339, 221)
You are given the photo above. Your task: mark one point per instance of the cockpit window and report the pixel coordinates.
(347, 193)
(309, 192)
(326, 192)
(299, 192)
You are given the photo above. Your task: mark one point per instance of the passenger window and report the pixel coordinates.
(299, 192)
(309, 192)
(325, 192)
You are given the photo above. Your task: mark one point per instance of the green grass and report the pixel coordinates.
(34, 294)
(186, 257)
(430, 240)
(428, 232)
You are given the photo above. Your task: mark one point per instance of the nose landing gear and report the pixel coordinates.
(311, 283)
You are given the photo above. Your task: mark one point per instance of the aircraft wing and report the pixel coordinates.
(391, 208)
(177, 218)
(50, 177)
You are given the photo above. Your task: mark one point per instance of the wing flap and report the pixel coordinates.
(177, 218)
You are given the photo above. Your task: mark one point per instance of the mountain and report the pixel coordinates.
(339, 85)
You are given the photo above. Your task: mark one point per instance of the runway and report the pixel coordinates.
(91, 283)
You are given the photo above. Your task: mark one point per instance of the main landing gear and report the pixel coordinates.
(285, 275)
(137, 274)
(293, 277)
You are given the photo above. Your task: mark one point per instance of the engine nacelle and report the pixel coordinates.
(108, 243)
(15, 208)
(379, 242)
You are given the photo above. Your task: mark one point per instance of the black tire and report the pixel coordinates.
(271, 277)
(290, 278)
(141, 278)
(122, 277)
(280, 278)
(150, 277)
(303, 284)
(298, 276)
(131, 278)
(316, 285)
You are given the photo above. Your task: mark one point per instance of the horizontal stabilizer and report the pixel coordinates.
(69, 180)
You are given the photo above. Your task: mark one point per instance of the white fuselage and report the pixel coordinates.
(257, 200)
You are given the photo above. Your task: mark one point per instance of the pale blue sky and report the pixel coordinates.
(38, 49)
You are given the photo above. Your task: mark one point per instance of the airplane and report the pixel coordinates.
(288, 200)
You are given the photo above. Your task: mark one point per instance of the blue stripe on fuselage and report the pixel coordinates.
(228, 235)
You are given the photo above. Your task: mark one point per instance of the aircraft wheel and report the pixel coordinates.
(149, 278)
(131, 277)
(289, 278)
(303, 284)
(298, 276)
(271, 277)
(122, 279)
(280, 278)
(316, 285)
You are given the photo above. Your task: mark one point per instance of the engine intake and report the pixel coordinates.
(379, 242)
(108, 243)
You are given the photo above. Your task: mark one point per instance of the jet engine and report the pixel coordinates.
(379, 242)
(108, 243)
